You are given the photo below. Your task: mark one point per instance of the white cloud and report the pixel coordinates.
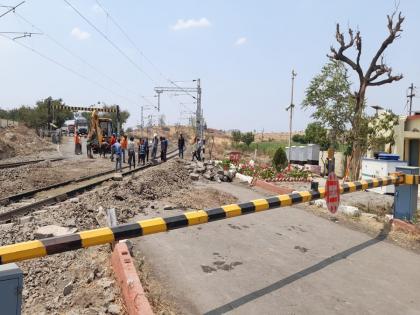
(79, 34)
(182, 24)
(240, 41)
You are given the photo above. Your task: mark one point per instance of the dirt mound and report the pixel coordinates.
(21, 140)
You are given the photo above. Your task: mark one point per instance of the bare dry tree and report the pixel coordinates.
(378, 73)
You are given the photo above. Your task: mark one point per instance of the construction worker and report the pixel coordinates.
(146, 145)
(124, 144)
(155, 143)
(89, 148)
(131, 152)
(196, 150)
(181, 146)
(142, 152)
(116, 148)
(112, 141)
(77, 144)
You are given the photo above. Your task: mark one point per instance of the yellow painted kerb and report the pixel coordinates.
(285, 200)
(232, 210)
(260, 204)
(306, 196)
(196, 217)
(22, 251)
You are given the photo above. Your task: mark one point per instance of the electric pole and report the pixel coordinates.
(141, 122)
(199, 109)
(158, 92)
(294, 74)
(199, 113)
(410, 96)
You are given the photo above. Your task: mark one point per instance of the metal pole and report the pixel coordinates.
(198, 113)
(158, 96)
(142, 122)
(291, 115)
(118, 121)
(411, 98)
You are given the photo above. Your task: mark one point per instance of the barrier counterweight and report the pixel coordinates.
(54, 245)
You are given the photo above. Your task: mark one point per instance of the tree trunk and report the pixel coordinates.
(357, 150)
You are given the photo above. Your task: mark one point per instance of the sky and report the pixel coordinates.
(242, 50)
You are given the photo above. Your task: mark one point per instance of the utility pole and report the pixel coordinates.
(199, 115)
(118, 121)
(158, 96)
(410, 96)
(142, 122)
(294, 74)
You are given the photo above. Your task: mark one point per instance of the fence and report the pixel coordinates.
(4, 123)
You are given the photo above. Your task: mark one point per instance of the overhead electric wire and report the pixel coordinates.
(76, 56)
(110, 41)
(67, 68)
(139, 50)
(11, 9)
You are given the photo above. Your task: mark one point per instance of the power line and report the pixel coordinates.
(138, 49)
(12, 9)
(110, 41)
(75, 55)
(66, 68)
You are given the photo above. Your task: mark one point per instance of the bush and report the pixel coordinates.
(248, 138)
(280, 159)
(236, 136)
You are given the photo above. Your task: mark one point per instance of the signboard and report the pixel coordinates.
(332, 192)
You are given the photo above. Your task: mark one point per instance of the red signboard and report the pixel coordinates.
(332, 192)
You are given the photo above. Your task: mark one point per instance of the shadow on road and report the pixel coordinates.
(303, 273)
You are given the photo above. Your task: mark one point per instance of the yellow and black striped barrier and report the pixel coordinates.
(85, 109)
(54, 245)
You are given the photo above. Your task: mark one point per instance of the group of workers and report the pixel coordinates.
(120, 146)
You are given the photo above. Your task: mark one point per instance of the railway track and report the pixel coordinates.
(16, 164)
(17, 205)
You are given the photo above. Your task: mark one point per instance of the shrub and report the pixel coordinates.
(279, 159)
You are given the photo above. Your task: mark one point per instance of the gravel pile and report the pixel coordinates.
(20, 141)
(81, 282)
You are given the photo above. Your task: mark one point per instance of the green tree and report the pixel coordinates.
(315, 133)
(248, 138)
(329, 94)
(236, 136)
(376, 73)
(299, 138)
(380, 129)
(280, 159)
(37, 116)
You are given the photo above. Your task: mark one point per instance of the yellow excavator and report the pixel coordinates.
(100, 131)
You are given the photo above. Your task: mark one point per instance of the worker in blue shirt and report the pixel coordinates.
(118, 154)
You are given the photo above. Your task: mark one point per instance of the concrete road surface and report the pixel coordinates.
(282, 261)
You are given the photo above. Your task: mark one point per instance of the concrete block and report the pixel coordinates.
(74, 200)
(53, 230)
(320, 203)
(349, 211)
(117, 177)
(27, 219)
